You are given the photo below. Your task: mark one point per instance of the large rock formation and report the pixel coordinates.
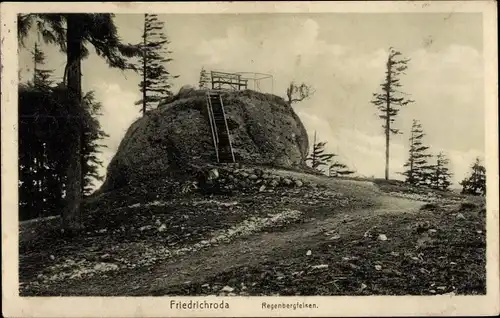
(264, 130)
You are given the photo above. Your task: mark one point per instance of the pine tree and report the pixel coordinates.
(41, 81)
(156, 79)
(41, 77)
(417, 172)
(204, 82)
(27, 141)
(33, 126)
(73, 33)
(441, 176)
(318, 157)
(391, 99)
(475, 184)
(41, 149)
(42, 156)
(93, 134)
(338, 169)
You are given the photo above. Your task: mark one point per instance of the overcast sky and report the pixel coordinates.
(342, 55)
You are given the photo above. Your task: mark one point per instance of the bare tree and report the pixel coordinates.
(297, 93)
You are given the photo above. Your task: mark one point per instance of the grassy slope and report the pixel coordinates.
(162, 248)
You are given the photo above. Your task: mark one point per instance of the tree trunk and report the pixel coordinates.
(72, 218)
(438, 175)
(387, 132)
(387, 119)
(412, 158)
(387, 151)
(144, 65)
(82, 160)
(34, 66)
(314, 152)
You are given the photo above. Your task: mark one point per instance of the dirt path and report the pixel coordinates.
(260, 247)
(253, 250)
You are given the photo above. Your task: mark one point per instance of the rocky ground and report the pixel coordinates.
(271, 232)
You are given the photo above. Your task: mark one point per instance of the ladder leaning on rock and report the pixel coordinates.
(218, 126)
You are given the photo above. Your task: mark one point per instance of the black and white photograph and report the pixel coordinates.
(234, 155)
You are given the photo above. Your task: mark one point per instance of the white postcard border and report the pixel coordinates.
(16, 306)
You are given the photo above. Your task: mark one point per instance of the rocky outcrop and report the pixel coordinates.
(264, 130)
(230, 178)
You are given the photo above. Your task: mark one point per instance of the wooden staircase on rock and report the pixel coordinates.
(218, 126)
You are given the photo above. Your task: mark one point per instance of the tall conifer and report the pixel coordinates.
(391, 99)
(156, 83)
(475, 184)
(417, 172)
(441, 175)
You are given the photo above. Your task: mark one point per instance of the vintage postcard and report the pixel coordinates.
(256, 159)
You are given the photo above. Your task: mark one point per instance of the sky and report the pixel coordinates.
(341, 55)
